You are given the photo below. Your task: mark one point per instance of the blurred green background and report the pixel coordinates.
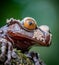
(45, 12)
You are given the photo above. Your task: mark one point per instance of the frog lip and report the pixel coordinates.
(20, 36)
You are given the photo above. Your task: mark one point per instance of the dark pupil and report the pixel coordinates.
(30, 23)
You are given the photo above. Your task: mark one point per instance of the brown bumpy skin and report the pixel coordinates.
(15, 35)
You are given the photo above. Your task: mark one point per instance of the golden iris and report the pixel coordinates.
(30, 24)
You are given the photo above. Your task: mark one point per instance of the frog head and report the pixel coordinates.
(28, 30)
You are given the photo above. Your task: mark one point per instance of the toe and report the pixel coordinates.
(2, 58)
(7, 63)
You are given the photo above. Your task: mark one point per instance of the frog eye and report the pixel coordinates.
(29, 23)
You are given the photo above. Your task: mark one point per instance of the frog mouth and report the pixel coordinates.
(35, 37)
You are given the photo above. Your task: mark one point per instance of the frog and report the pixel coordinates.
(22, 35)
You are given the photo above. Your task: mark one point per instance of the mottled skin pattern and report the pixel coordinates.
(14, 35)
